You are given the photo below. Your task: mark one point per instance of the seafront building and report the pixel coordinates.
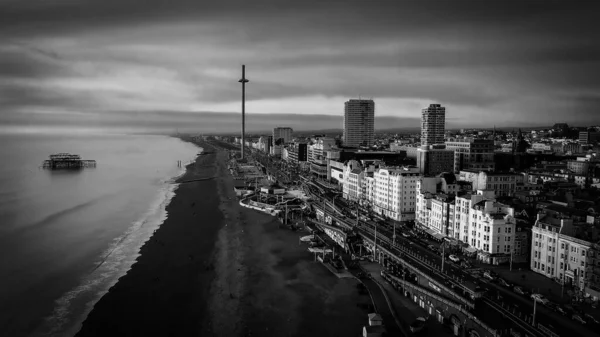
(359, 123)
(393, 192)
(567, 248)
(487, 226)
(435, 197)
(317, 156)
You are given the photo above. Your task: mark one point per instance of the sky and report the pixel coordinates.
(164, 65)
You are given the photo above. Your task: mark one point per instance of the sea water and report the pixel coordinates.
(67, 236)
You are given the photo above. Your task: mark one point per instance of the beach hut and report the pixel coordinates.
(375, 319)
(374, 331)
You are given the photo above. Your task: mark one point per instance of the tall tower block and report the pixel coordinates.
(243, 81)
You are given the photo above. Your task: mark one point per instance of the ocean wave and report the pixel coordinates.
(73, 307)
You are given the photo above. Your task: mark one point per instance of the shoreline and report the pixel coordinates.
(214, 268)
(176, 256)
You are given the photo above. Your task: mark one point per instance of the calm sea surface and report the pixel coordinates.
(66, 236)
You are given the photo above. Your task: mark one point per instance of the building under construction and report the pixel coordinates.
(67, 161)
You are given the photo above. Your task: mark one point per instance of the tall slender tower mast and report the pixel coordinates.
(243, 81)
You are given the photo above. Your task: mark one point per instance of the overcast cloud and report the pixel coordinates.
(506, 63)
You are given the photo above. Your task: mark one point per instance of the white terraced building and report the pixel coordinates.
(487, 226)
(557, 254)
(353, 176)
(435, 204)
(394, 192)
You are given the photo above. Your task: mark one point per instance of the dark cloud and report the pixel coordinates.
(208, 122)
(22, 61)
(485, 56)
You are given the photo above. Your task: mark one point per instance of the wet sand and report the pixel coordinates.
(215, 268)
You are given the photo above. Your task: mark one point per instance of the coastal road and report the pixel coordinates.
(382, 307)
(499, 299)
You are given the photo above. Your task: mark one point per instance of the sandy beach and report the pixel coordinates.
(214, 268)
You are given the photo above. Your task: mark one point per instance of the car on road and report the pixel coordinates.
(454, 258)
(540, 298)
(489, 276)
(591, 318)
(520, 290)
(561, 310)
(503, 282)
(406, 235)
(466, 264)
(578, 318)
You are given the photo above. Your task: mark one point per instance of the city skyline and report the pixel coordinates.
(89, 64)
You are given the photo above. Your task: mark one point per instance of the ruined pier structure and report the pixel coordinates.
(67, 161)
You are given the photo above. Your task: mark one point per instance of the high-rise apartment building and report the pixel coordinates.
(359, 122)
(433, 125)
(284, 133)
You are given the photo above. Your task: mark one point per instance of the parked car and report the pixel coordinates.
(577, 317)
(561, 310)
(465, 264)
(591, 318)
(540, 298)
(418, 325)
(454, 258)
(406, 235)
(489, 276)
(503, 282)
(520, 290)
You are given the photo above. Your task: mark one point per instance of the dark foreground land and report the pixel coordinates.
(216, 269)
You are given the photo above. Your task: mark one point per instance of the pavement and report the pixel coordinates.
(377, 296)
(405, 309)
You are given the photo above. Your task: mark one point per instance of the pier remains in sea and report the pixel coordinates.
(67, 161)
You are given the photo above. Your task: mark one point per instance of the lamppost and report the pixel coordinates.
(375, 243)
(443, 255)
(534, 310)
(394, 236)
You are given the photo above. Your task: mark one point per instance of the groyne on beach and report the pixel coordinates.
(214, 268)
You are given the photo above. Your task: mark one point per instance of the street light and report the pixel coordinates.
(534, 310)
